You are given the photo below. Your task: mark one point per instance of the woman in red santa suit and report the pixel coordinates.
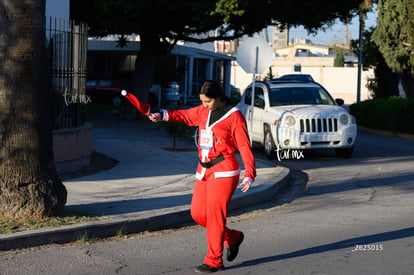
(222, 130)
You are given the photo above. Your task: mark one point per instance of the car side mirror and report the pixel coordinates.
(339, 101)
(259, 103)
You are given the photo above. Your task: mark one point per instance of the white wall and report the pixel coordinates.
(340, 82)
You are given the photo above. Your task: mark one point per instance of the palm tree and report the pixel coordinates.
(29, 186)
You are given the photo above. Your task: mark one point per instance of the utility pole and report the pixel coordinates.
(346, 33)
(361, 28)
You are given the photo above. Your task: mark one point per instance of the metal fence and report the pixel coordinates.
(67, 45)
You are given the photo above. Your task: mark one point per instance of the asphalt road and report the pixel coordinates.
(340, 216)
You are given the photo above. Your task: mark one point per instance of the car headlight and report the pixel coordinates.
(344, 119)
(290, 120)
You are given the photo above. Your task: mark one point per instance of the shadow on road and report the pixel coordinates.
(349, 243)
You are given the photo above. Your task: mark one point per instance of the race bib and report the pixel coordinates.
(206, 139)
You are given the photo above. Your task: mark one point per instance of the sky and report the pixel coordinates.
(336, 34)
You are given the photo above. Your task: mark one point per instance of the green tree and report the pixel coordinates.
(269, 74)
(160, 24)
(394, 36)
(29, 187)
(369, 49)
(384, 83)
(339, 60)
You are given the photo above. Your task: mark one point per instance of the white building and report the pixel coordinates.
(317, 61)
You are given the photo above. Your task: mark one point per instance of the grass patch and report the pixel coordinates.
(120, 233)
(86, 240)
(18, 225)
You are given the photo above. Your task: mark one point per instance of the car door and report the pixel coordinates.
(255, 124)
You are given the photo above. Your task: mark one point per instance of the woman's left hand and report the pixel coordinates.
(245, 185)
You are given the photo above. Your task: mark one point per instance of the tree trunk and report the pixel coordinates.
(143, 76)
(29, 186)
(407, 82)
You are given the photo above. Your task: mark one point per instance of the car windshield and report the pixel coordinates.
(299, 95)
(304, 77)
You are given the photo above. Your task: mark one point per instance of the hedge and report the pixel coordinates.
(394, 114)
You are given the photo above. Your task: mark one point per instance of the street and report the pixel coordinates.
(339, 216)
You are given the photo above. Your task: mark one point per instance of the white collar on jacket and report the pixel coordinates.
(232, 110)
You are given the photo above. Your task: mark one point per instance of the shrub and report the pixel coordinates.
(339, 60)
(177, 129)
(394, 114)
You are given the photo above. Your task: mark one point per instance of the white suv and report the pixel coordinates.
(297, 115)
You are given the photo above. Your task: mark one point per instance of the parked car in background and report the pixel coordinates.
(172, 93)
(106, 91)
(293, 77)
(297, 115)
(235, 94)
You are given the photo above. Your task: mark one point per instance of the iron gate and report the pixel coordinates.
(67, 45)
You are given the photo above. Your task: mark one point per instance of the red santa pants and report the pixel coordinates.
(209, 206)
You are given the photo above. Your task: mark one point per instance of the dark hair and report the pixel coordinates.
(212, 89)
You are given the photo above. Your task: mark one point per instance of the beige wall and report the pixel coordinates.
(310, 61)
(340, 82)
(72, 148)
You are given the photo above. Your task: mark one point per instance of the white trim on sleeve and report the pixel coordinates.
(164, 114)
(248, 180)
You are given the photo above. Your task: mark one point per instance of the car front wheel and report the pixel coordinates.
(269, 145)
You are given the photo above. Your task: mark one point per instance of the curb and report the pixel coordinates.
(166, 219)
(386, 133)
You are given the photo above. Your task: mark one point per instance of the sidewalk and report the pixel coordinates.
(149, 189)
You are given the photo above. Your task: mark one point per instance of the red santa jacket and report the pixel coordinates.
(229, 133)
